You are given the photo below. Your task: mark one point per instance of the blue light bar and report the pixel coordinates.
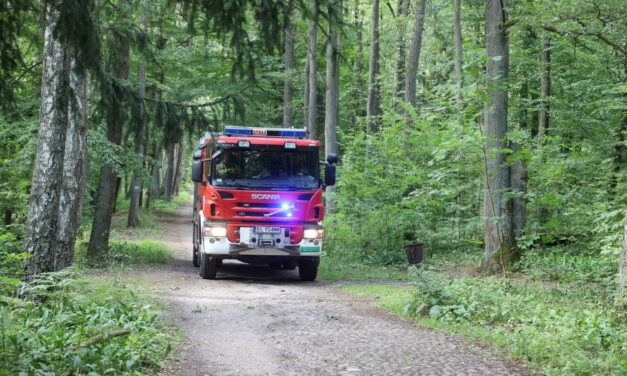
(265, 132)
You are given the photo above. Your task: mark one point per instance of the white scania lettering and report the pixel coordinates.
(261, 196)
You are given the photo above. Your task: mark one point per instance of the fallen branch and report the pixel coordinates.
(100, 337)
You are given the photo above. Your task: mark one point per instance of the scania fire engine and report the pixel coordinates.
(258, 199)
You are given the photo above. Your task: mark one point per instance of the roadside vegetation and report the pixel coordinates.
(88, 319)
(556, 314)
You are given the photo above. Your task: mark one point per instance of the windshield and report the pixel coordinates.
(267, 169)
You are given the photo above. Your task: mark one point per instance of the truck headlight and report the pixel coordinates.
(218, 231)
(313, 233)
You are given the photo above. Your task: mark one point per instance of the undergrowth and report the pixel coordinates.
(559, 329)
(45, 332)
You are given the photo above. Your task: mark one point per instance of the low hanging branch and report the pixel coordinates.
(100, 337)
(601, 37)
(206, 104)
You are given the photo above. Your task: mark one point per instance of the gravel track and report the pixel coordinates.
(253, 321)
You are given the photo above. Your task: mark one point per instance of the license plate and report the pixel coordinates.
(266, 230)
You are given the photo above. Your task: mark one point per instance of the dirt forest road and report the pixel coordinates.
(253, 321)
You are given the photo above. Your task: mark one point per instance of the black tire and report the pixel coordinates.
(308, 269)
(195, 254)
(195, 257)
(208, 266)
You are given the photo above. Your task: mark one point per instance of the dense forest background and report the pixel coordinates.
(489, 131)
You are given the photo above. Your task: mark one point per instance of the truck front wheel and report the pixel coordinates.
(208, 266)
(308, 268)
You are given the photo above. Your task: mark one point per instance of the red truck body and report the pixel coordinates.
(258, 199)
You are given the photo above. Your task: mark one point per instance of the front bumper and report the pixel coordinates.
(260, 245)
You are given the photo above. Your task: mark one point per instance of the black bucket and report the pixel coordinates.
(414, 253)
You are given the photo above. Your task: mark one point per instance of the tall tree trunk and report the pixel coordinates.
(621, 295)
(414, 53)
(518, 170)
(288, 62)
(74, 168)
(42, 224)
(8, 217)
(306, 95)
(403, 6)
(459, 75)
(498, 232)
(169, 174)
(108, 185)
(154, 192)
(373, 105)
(177, 170)
(136, 183)
(312, 72)
(359, 63)
(545, 87)
(332, 97)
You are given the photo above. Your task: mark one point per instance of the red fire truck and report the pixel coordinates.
(258, 199)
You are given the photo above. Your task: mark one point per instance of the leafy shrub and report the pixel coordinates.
(139, 252)
(42, 335)
(560, 265)
(563, 330)
(11, 258)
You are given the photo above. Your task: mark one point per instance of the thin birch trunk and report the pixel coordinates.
(177, 170)
(169, 175)
(136, 183)
(288, 62)
(312, 73)
(414, 54)
(403, 6)
(545, 87)
(459, 75)
(373, 105)
(359, 63)
(332, 98)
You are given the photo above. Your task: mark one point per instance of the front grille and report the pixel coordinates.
(259, 205)
(260, 214)
(269, 205)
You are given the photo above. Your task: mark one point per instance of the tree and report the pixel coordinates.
(403, 6)
(312, 88)
(332, 93)
(498, 232)
(136, 182)
(101, 226)
(373, 105)
(55, 202)
(457, 30)
(545, 88)
(414, 53)
(288, 63)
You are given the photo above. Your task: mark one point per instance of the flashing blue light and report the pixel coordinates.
(265, 132)
(289, 214)
(285, 205)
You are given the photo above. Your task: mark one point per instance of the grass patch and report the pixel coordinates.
(392, 297)
(558, 329)
(42, 334)
(144, 252)
(336, 269)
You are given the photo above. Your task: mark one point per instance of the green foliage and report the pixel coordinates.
(560, 265)
(558, 329)
(341, 269)
(11, 257)
(142, 252)
(65, 310)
